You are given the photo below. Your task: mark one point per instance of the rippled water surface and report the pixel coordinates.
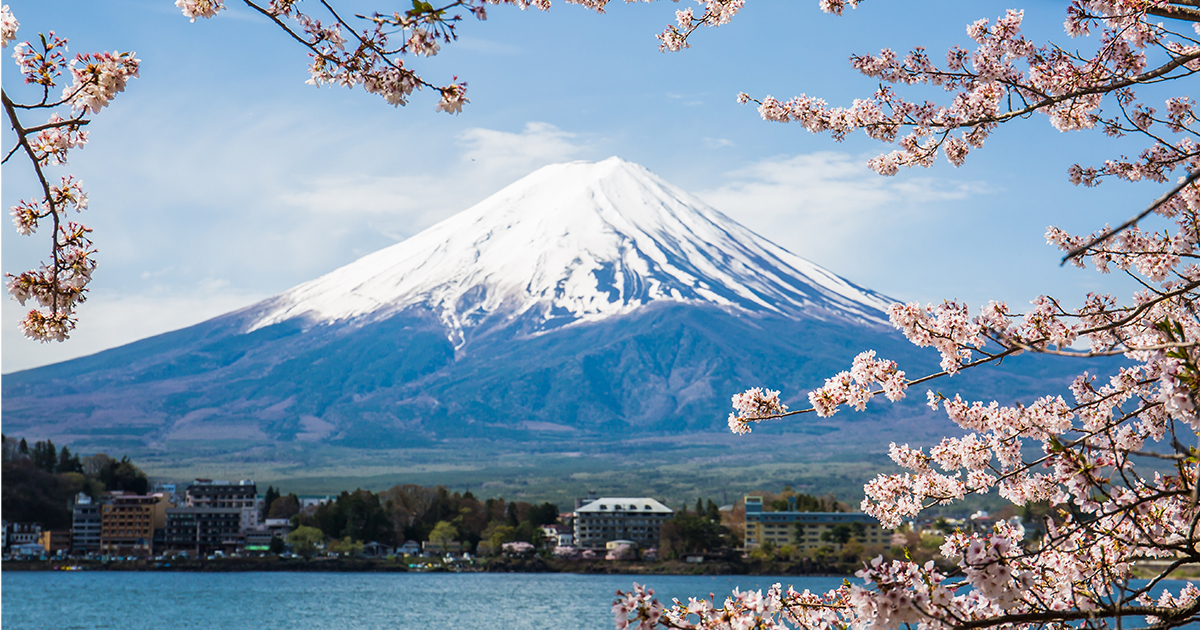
(344, 601)
(338, 601)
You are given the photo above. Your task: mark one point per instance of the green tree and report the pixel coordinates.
(357, 514)
(347, 547)
(123, 475)
(443, 534)
(544, 514)
(269, 498)
(284, 507)
(277, 546)
(691, 533)
(31, 494)
(496, 534)
(68, 463)
(44, 455)
(94, 464)
(843, 532)
(304, 540)
(366, 518)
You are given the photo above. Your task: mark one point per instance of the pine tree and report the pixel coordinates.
(65, 463)
(45, 456)
(270, 497)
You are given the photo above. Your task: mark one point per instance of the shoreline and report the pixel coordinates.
(493, 565)
(365, 565)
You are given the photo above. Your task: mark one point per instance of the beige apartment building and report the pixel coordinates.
(808, 530)
(128, 521)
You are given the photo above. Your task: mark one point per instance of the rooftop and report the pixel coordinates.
(625, 504)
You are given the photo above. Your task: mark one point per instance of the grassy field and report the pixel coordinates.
(671, 470)
(674, 472)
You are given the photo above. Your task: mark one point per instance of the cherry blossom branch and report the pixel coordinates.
(1182, 616)
(1177, 9)
(1184, 183)
(50, 198)
(60, 284)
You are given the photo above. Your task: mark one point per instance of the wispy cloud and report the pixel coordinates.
(511, 155)
(829, 207)
(480, 162)
(110, 319)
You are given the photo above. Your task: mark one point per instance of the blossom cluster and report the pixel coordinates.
(200, 8)
(517, 548)
(854, 388)
(775, 609)
(60, 136)
(716, 13)
(637, 606)
(8, 26)
(949, 328)
(754, 405)
(57, 287)
(97, 78)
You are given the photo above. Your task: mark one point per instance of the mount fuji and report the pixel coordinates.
(586, 306)
(574, 243)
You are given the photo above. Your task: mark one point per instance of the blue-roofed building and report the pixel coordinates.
(808, 530)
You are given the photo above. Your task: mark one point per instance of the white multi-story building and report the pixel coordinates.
(85, 525)
(619, 518)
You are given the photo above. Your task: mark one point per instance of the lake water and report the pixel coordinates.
(339, 601)
(343, 601)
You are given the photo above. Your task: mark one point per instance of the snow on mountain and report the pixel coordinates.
(572, 243)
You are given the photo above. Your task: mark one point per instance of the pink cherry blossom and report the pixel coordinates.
(1115, 510)
(8, 26)
(200, 8)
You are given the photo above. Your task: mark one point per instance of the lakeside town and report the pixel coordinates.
(116, 516)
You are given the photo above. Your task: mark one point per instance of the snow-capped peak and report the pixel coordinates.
(572, 243)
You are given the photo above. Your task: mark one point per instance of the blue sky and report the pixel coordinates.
(219, 178)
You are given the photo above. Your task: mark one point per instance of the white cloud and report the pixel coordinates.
(488, 46)
(830, 208)
(512, 155)
(110, 319)
(400, 205)
(717, 143)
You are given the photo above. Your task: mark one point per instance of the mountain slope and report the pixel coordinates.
(584, 308)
